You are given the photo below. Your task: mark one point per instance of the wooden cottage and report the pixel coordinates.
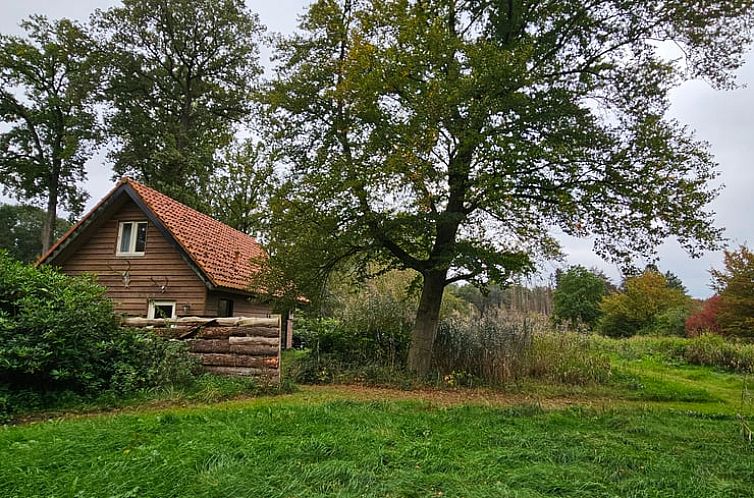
(160, 258)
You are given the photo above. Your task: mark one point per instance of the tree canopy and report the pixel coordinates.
(179, 81)
(239, 190)
(47, 81)
(451, 137)
(646, 305)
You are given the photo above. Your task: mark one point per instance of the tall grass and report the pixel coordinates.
(505, 347)
(713, 350)
(498, 348)
(706, 350)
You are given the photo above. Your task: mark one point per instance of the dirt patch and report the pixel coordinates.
(452, 397)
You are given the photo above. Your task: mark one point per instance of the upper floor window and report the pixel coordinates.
(132, 238)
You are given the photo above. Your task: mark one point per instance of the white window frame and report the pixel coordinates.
(153, 305)
(132, 243)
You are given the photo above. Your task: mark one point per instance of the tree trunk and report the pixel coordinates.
(427, 318)
(48, 229)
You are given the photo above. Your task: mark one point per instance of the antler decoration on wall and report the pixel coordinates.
(163, 286)
(125, 275)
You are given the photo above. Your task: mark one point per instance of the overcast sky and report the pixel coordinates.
(724, 119)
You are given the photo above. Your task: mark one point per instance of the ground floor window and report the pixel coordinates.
(161, 309)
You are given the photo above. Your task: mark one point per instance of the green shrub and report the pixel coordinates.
(670, 322)
(141, 359)
(618, 324)
(314, 367)
(59, 337)
(373, 332)
(55, 331)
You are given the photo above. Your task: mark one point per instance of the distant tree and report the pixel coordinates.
(609, 285)
(647, 305)
(20, 227)
(239, 190)
(631, 271)
(674, 281)
(451, 137)
(578, 295)
(179, 80)
(482, 298)
(705, 318)
(735, 285)
(47, 81)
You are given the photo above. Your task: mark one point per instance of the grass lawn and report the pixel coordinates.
(661, 430)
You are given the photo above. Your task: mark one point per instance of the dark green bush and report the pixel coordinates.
(58, 334)
(328, 336)
(671, 321)
(354, 341)
(314, 367)
(142, 359)
(55, 331)
(368, 341)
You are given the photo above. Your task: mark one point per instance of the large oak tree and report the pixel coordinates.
(179, 81)
(452, 136)
(49, 129)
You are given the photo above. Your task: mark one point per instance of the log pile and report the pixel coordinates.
(226, 346)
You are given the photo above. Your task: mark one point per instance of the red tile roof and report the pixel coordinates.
(222, 253)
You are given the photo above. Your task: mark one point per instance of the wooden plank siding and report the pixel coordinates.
(160, 265)
(242, 305)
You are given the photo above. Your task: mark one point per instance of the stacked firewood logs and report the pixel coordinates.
(227, 346)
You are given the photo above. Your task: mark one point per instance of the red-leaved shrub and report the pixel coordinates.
(704, 320)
